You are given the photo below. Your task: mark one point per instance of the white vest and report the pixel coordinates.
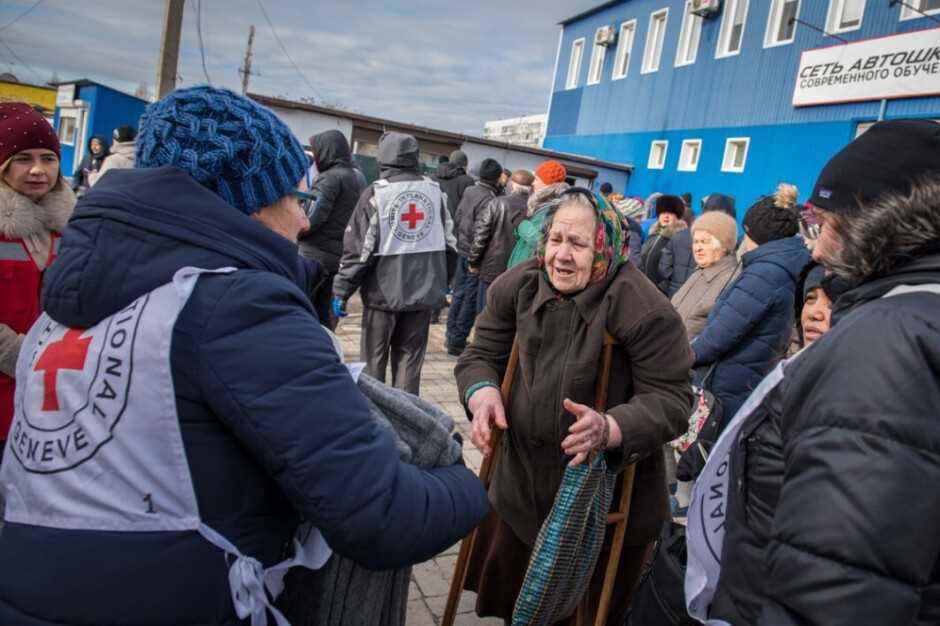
(409, 214)
(96, 445)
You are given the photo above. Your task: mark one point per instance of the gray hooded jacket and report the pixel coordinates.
(400, 282)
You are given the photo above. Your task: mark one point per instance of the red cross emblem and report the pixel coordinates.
(413, 216)
(69, 353)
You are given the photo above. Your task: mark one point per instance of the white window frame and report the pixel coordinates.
(836, 8)
(774, 19)
(74, 133)
(596, 68)
(649, 49)
(652, 165)
(685, 163)
(727, 164)
(624, 49)
(691, 30)
(910, 14)
(574, 69)
(727, 24)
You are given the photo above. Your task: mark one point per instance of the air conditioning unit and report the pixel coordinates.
(605, 36)
(706, 8)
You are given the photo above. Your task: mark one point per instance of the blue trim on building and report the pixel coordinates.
(745, 95)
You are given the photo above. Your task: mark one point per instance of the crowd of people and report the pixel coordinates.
(174, 406)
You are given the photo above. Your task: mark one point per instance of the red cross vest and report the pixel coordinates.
(96, 443)
(20, 286)
(409, 217)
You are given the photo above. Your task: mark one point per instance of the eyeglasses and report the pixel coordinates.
(307, 201)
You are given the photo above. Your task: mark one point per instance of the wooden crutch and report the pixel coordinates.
(618, 520)
(486, 471)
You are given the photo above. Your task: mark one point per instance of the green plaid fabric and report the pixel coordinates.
(567, 546)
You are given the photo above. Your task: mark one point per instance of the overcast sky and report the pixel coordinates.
(446, 65)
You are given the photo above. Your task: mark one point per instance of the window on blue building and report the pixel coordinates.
(689, 155)
(732, 28)
(574, 63)
(654, 41)
(781, 29)
(928, 7)
(657, 158)
(845, 15)
(689, 36)
(67, 128)
(624, 49)
(597, 61)
(735, 158)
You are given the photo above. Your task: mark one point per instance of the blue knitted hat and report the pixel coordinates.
(228, 143)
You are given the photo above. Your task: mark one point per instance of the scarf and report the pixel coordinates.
(611, 241)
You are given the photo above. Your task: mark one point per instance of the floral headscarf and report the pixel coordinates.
(611, 237)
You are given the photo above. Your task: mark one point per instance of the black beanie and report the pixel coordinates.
(670, 204)
(124, 134)
(606, 188)
(888, 157)
(490, 170)
(765, 221)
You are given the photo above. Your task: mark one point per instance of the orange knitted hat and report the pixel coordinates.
(551, 172)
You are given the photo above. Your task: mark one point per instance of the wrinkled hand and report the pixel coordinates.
(473, 270)
(586, 434)
(339, 307)
(486, 405)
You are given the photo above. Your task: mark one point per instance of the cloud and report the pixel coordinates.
(452, 66)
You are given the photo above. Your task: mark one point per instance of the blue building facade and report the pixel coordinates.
(724, 87)
(84, 109)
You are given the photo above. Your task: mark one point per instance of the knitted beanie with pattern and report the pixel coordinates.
(229, 144)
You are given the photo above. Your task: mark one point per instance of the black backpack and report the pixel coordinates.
(660, 595)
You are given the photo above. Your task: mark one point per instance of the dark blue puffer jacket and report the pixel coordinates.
(750, 326)
(274, 427)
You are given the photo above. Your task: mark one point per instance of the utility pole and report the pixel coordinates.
(168, 63)
(245, 70)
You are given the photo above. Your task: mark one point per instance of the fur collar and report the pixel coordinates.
(889, 233)
(21, 217)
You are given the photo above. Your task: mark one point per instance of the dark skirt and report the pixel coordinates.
(499, 561)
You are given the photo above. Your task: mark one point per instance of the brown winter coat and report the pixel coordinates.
(560, 343)
(696, 298)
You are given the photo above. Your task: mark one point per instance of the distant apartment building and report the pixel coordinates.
(522, 131)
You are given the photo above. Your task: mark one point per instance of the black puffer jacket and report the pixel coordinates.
(756, 471)
(453, 180)
(854, 537)
(494, 234)
(337, 189)
(474, 198)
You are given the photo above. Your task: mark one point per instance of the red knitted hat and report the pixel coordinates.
(551, 172)
(23, 128)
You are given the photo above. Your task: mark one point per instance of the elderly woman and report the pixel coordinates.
(558, 308)
(714, 235)
(35, 204)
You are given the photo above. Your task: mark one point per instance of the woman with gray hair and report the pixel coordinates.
(557, 308)
(713, 240)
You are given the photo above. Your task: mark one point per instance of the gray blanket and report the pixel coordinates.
(343, 593)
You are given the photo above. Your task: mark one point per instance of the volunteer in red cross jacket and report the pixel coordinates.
(182, 420)
(399, 250)
(35, 204)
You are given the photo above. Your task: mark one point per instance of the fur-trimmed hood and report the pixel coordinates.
(889, 233)
(20, 217)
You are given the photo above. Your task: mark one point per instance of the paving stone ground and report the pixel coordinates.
(430, 581)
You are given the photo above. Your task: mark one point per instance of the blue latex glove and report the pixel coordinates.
(339, 307)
